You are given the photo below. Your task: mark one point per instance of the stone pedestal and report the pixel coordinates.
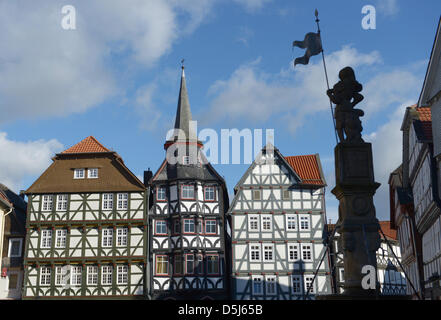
(357, 225)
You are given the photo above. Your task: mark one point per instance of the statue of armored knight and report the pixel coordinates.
(345, 94)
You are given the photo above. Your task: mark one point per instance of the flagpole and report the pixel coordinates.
(326, 73)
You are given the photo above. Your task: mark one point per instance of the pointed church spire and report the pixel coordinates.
(183, 113)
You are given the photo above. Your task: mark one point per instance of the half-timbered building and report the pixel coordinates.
(391, 278)
(189, 245)
(86, 227)
(278, 223)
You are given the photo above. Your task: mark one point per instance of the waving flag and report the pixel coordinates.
(312, 44)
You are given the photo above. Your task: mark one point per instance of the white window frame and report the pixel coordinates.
(122, 274)
(122, 201)
(298, 280)
(268, 248)
(185, 188)
(122, 235)
(186, 224)
(107, 238)
(295, 248)
(60, 238)
(254, 280)
(303, 250)
(47, 202)
(79, 173)
(270, 280)
(92, 173)
(106, 275)
(210, 190)
(76, 276)
(46, 239)
(257, 249)
(264, 220)
(45, 273)
(161, 191)
(11, 240)
(107, 201)
(92, 275)
(308, 279)
(212, 223)
(308, 220)
(253, 219)
(290, 217)
(62, 202)
(186, 160)
(60, 275)
(161, 223)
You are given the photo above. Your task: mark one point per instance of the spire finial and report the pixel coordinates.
(182, 67)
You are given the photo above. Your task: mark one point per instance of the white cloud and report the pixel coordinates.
(291, 94)
(47, 71)
(146, 108)
(19, 160)
(252, 5)
(388, 7)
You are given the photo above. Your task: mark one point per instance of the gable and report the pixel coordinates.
(113, 176)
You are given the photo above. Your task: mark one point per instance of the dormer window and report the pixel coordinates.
(79, 174)
(186, 160)
(92, 173)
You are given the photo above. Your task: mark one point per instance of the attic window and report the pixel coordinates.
(79, 174)
(92, 173)
(186, 160)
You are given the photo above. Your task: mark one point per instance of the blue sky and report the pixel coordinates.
(116, 77)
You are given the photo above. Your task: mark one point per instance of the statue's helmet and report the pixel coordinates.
(346, 73)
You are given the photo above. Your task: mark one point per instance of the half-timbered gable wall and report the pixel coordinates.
(277, 233)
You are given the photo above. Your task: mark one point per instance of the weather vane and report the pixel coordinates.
(182, 63)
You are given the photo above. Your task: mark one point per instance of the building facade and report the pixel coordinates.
(189, 243)
(427, 206)
(12, 234)
(278, 224)
(391, 278)
(86, 232)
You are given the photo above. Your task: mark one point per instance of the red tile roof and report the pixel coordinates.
(425, 116)
(424, 113)
(307, 167)
(88, 145)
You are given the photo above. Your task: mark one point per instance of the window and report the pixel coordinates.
(75, 275)
(210, 226)
(121, 236)
(255, 252)
(189, 264)
(212, 264)
(45, 276)
(266, 223)
(60, 238)
(268, 252)
(257, 285)
(161, 194)
(123, 200)
(122, 274)
(178, 264)
(291, 223)
(92, 173)
(306, 252)
(92, 275)
(187, 192)
(286, 195)
(15, 247)
(304, 223)
(296, 284)
(60, 276)
(161, 227)
(186, 160)
(106, 275)
(293, 252)
(107, 201)
(200, 264)
(46, 239)
(107, 237)
(309, 284)
(47, 202)
(79, 174)
(256, 195)
(161, 265)
(253, 223)
(209, 194)
(270, 285)
(188, 225)
(176, 226)
(62, 202)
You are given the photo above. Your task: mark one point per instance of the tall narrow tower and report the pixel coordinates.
(188, 239)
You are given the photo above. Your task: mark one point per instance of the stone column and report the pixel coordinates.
(357, 225)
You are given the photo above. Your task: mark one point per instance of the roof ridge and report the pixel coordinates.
(87, 145)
